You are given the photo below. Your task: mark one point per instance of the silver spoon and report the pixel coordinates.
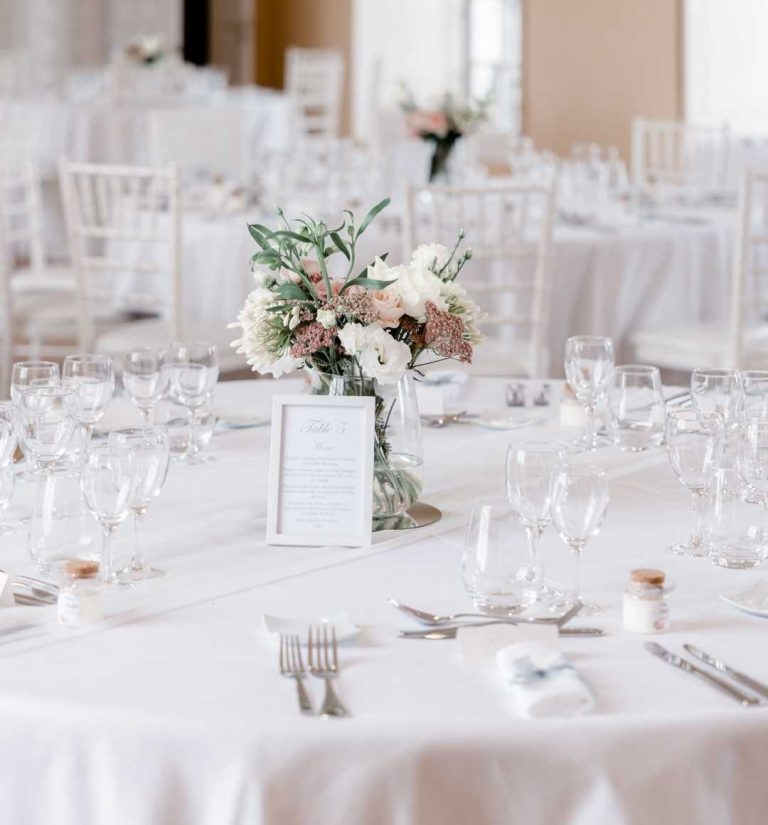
(435, 620)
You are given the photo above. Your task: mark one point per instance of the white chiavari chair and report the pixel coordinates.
(679, 156)
(124, 228)
(314, 82)
(741, 341)
(509, 228)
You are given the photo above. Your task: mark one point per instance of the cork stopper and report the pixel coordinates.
(81, 569)
(647, 575)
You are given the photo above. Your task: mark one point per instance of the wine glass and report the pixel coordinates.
(32, 374)
(145, 378)
(7, 482)
(532, 468)
(8, 433)
(695, 445)
(588, 367)
(108, 482)
(579, 505)
(151, 453)
(93, 377)
(718, 391)
(637, 407)
(193, 372)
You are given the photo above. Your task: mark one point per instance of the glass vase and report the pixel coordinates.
(398, 454)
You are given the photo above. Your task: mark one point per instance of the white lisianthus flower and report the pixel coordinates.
(379, 271)
(417, 286)
(383, 359)
(327, 318)
(352, 337)
(432, 256)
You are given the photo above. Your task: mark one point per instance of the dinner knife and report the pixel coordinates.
(683, 664)
(438, 633)
(756, 687)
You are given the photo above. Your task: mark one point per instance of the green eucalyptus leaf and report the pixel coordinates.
(294, 236)
(368, 283)
(291, 290)
(371, 215)
(340, 245)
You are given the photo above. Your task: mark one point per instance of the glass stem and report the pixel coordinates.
(107, 556)
(146, 416)
(576, 549)
(193, 450)
(697, 538)
(590, 436)
(137, 562)
(534, 534)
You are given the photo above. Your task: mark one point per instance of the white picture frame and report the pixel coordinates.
(321, 443)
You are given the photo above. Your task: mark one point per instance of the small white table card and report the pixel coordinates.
(321, 470)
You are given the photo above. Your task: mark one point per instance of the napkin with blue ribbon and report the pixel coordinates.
(543, 682)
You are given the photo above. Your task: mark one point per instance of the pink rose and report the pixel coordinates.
(336, 285)
(388, 306)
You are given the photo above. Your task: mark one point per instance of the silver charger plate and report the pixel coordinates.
(417, 515)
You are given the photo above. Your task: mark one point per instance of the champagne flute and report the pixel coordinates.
(193, 372)
(588, 367)
(532, 468)
(151, 453)
(579, 505)
(108, 482)
(93, 377)
(145, 378)
(695, 445)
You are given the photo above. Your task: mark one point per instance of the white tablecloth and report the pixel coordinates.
(175, 712)
(654, 274)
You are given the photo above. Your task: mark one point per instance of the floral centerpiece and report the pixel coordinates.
(146, 50)
(359, 331)
(443, 125)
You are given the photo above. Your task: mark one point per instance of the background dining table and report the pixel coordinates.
(173, 710)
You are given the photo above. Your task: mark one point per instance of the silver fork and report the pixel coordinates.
(323, 656)
(292, 666)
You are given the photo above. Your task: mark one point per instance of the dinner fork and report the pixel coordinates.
(323, 656)
(292, 666)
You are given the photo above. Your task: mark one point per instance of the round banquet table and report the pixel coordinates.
(173, 711)
(606, 279)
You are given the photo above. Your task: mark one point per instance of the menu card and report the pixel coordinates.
(321, 470)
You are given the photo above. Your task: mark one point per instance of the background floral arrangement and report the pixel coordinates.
(375, 324)
(443, 125)
(147, 49)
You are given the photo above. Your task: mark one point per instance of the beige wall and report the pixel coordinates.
(323, 24)
(590, 66)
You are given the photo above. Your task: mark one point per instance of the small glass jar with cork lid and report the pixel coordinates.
(79, 600)
(646, 608)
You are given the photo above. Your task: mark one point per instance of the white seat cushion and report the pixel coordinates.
(156, 332)
(697, 345)
(52, 279)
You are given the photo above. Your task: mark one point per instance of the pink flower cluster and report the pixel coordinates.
(311, 338)
(444, 333)
(425, 122)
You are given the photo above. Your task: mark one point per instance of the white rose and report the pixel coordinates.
(352, 338)
(432, 256)
(416, 287)
(384, 359)
(326, 318)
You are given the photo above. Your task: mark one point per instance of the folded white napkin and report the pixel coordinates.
(543, 681)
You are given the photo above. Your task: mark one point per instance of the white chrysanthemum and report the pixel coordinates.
(432, 256)
(352, 338)
(417, 286)
(383, 358)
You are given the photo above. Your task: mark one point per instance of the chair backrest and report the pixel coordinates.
(123, 222)
(185, 137)
(675, 154)
(21, 224)
(314, 82)
(749, 278)
(509, 228)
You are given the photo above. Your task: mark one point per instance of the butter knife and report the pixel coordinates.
(683, 664)
(438, 633)
(756, 687)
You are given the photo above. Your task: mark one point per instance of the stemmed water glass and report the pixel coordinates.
(588, 367)
(151, 453)
(108, 481)
(637, 408)
(193, 372)
(93, 377)
(718, 391)
(579, 504)
(32, 374)
(532, 468)
(145, 378)
(695, 443)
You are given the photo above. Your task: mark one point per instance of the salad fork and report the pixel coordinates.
(292, 666)
(323, 656)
